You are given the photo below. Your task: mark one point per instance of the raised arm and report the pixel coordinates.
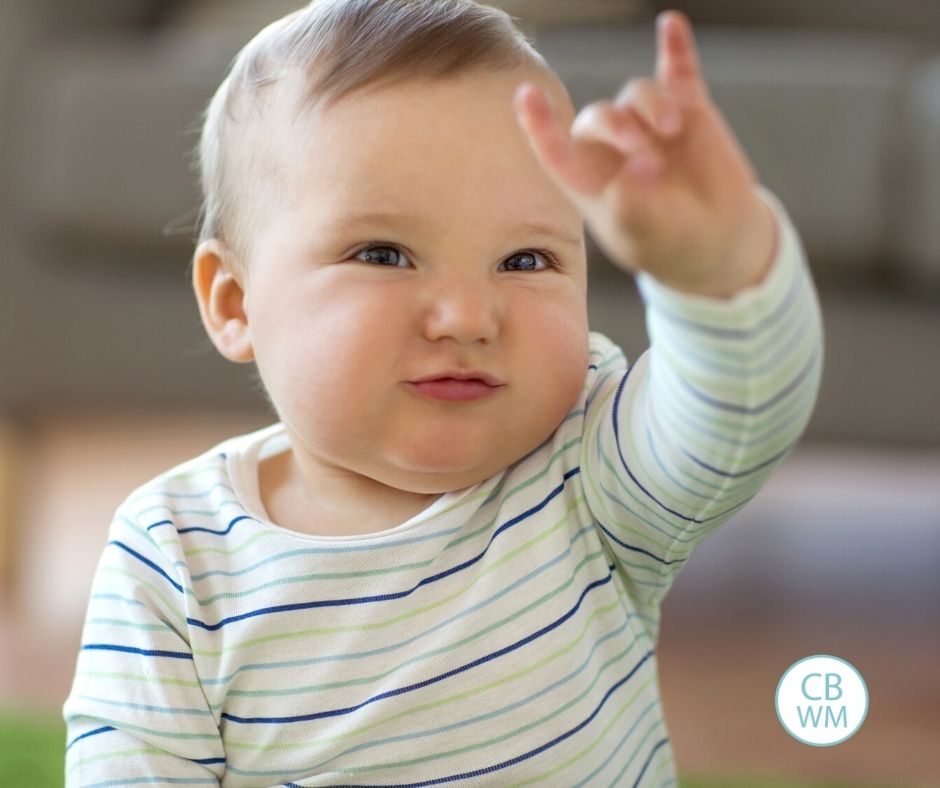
(675, 444)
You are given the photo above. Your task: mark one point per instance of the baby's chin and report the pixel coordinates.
(436, 472)
(427, 481)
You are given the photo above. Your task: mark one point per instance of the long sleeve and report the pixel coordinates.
(137, 712)
(676, 443)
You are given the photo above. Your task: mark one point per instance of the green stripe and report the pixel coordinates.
(410, 613)
(378, 678)
(458, 696)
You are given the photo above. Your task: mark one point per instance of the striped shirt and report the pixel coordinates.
(506, 635)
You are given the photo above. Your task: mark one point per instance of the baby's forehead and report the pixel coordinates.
(385, 138)
(298, 97)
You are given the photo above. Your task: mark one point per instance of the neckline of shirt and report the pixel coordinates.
(242, 460)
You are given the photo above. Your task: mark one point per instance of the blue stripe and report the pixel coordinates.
(615, 753)
(659, 744)
(599, 388)
(525, 756)
(738, 474)
(434, 679)
(636, 549)
(149, 563)
(199, 529)
(734, 407)
(693, 532)
(487, 715)
(623, 460)
(146, 492)
(736, 333)
(680, 515)
(397, 594)
(131, 650)
(231, 525)
(95, 732)
(347, 656)
(744, 363)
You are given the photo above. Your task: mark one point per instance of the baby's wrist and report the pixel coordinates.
(745, 263)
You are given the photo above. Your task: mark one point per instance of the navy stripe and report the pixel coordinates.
(149, 563)
(623, 460)
(639, 549)
(738, 474)
(736, 333)
(434, 679)
(95, 732)
(659, 744)
(735, 408)
(397, 594)
(527, 755)
(703, 464)
(198, 529)
(132, 650)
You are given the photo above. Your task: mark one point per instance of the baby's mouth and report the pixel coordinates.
(464, 376)
(452, 389)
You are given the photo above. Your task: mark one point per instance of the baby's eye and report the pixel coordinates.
(382, 254)
(533, 257)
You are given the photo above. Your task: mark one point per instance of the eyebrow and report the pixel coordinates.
(533, 228)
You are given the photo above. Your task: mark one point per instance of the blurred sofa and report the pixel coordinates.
(837, 104)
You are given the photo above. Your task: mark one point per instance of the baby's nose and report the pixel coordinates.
(465, 314)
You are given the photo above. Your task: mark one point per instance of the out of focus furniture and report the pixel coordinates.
(837, 104)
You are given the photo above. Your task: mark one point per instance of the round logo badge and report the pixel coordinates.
(821, 700)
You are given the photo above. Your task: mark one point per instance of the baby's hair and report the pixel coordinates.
(336, 47)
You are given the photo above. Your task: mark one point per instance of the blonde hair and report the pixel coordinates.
(336, 47)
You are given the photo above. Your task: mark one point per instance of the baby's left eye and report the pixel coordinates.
(532, 255)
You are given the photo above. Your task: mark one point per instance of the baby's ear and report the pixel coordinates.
(221, 297)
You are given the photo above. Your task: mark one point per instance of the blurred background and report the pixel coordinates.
(108, 378)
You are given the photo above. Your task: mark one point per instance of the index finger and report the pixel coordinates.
(677, 60)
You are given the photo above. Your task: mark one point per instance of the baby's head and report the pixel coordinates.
(374, 215)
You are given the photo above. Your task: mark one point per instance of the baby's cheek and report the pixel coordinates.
(561, 329)
(556, 370)
(570, 378)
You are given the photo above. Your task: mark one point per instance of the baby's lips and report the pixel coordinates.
(458, 374)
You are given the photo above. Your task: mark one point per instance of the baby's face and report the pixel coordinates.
(475, 262)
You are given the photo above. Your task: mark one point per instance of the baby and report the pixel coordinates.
(445, 562)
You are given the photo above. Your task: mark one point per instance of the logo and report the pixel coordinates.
(821, 700)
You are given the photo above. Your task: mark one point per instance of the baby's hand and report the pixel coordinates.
(661, 180)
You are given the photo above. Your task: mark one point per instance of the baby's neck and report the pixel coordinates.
(290, 504)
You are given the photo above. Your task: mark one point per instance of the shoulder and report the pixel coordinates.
(604, 353)
(199, 484)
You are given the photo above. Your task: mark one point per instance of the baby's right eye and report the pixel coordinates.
(382, 255)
